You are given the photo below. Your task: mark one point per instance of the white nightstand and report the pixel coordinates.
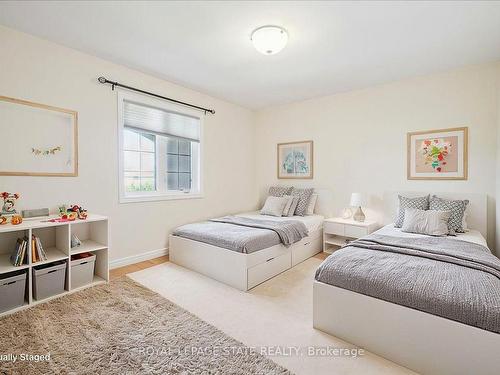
(338, 232)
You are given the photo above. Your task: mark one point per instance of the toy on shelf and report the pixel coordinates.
(75, 241)
(9, 203)
(79, 211)
(72, 213)
(3, 220)
(16, 220)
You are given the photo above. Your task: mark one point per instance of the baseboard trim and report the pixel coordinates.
(138, 258)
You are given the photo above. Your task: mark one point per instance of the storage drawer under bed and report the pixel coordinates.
(270, 268)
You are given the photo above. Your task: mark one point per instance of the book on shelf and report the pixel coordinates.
(33, 251)
(38, 253)
(20, 254)
(39, 244)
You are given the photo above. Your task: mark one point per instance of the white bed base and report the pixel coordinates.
(241, 271)
(422, 342)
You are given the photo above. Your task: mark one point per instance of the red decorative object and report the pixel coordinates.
(16, 220)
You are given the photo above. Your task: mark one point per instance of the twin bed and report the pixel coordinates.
(429, 303)
(246, 249)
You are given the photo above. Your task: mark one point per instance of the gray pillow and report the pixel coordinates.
(304, 198)
(457, 208)
(293, 206)
(432, 223)
(279, 191)
(420, 203)
(274, 206)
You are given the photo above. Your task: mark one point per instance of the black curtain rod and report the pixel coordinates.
(113, 84)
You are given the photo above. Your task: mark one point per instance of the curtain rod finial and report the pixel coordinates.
(101, 79)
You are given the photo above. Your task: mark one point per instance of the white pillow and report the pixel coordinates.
(312, 204)
(287, 205)
(274, 206)
(430, 222)
(465, 226)
(295, 202)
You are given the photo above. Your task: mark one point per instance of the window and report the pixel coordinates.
(139, 160)
(178, 164)
(159, 150)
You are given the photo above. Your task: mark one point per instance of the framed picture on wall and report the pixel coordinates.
(295, 160)
(37, 139)
(437, 154)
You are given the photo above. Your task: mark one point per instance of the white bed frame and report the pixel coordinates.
(242, 271)
(423, 342)
(245, 271)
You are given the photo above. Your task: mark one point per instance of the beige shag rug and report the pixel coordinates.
(118, 328)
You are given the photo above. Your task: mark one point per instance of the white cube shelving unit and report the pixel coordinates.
(56, 241)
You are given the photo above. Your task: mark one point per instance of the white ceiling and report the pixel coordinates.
(333, 46)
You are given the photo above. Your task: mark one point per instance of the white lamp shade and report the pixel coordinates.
(357, 200)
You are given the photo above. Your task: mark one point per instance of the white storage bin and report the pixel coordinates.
(49, 279)
(82, 271)
(12, 290)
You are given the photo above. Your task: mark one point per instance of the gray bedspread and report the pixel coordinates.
(242, 234)
(450, 278)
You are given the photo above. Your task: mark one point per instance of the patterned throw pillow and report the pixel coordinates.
(457, 208)
(304, 198)
(420, 203)
(279, 191)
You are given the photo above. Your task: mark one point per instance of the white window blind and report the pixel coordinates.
(160, 121)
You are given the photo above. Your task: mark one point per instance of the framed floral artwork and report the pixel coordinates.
(438, 154)
(295, 160)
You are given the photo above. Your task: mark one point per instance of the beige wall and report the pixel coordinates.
(40, 71)
(360, 136)
(359, 140)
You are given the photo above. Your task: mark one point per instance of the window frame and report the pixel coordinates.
(147, 196)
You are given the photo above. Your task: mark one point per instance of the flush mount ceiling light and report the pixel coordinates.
(269, 39)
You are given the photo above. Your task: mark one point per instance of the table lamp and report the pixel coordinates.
(357, 201)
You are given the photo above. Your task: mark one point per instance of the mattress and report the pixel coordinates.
(312, 222)
(472, 235)
(250, 232)
(453, 277)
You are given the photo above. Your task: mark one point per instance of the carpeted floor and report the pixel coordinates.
(275, 314)
(122, 328)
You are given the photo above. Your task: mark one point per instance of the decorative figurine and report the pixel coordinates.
(82, 214)
(9, 202)
(16, 220)
(346, 213)
(72, 212)
(3, 220)
(62, 210)
(75, 241)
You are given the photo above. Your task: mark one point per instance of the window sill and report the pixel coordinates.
(159, 197)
